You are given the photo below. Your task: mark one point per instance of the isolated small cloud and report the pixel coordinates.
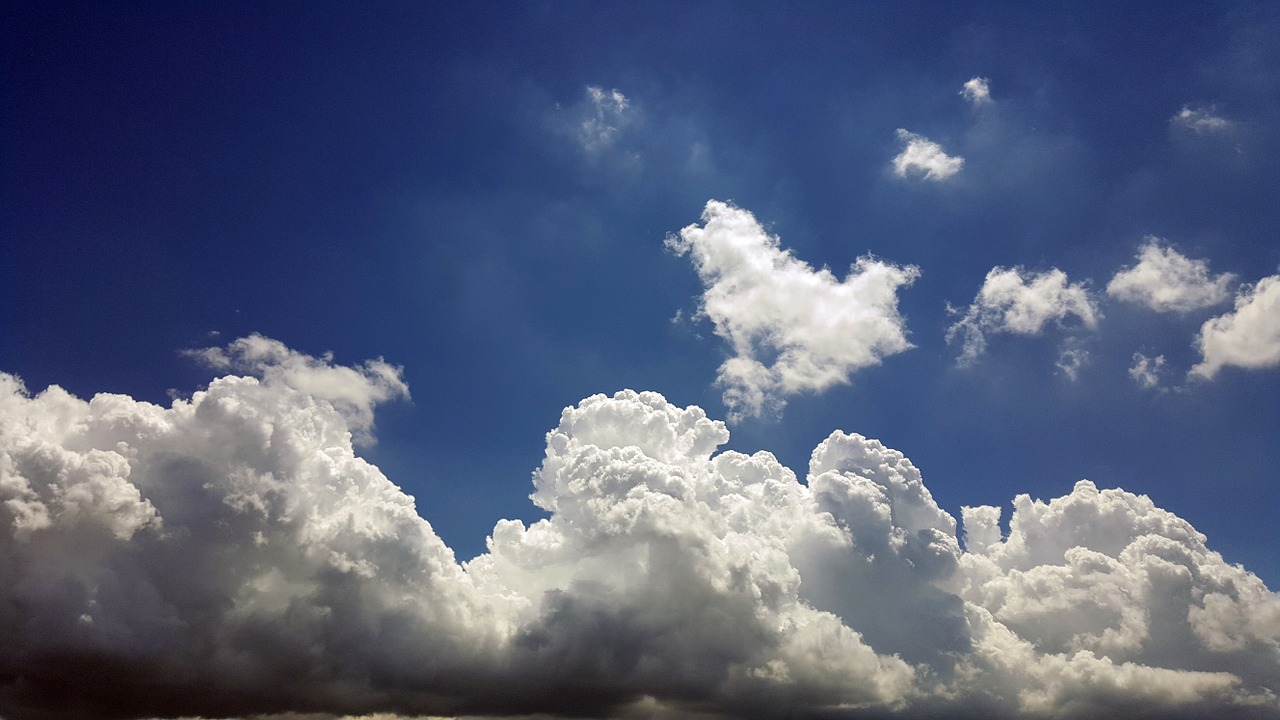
(607, 113)
(1070, 361)
(230, 555)
(1167, 281)
(924, 157)
(1200, 120)
(1018, 302)
(977, 90)
(1146, 371)
(1248, 337)
(791, 328)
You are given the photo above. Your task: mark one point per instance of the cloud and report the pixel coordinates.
(977, 90)
(1070, 360)
(606, 114)
(230, 555)
(1146, 370)
(1200, 120)
(1018, 302)
(791, 328)
(1248, 337)
(924, 157)
(1167, 281)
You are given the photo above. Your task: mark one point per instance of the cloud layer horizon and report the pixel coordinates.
(232, 555)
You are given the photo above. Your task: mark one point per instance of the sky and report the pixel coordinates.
(621, 360)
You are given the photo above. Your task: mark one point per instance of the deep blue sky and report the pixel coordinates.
(408, 181)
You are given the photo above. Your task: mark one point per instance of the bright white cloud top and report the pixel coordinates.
(977, 90)
(925, 158)
(197, 556)
(792, 329)
(1168, 281)
(1248, 337)
(1020, 302)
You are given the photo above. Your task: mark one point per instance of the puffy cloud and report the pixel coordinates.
(1146, 370)
(1248, 337)
(1200, 120)
(977, 90)
(1167, 281)
(1018, 302)
(924, 157)
(792, 328)
(230, 554)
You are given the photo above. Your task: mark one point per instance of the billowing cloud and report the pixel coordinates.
(1167, 281)
(1146, 370)
(1248, 337)
(792, 328)
(924, 157)
(230, 555)
(1020, 302)
(977, 90)
(1200, 120)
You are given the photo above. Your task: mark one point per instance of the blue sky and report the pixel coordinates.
(483, 196)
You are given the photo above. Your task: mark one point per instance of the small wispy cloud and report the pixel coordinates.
(1201, 120)
(1146, 371)
(607, 113)
(924, 157)
(977, 90)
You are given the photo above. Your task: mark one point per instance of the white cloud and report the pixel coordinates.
(230, 555)
(1146, 370)
(606, 115)
(1248, 337)
(977, 90)
(1070, 360)
(924, 157)
(1167, 281)
(791, 328)
(1017, 302)
(1200, 120)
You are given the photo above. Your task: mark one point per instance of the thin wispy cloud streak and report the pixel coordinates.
(231, 554)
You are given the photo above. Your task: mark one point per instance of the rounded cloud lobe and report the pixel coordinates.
(230, 554)
(1248, 337)
(1167, 281)
(792, 329)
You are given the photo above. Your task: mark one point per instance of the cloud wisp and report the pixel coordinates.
(1019, 302)
(231, 555)
(977, 90)
(925, 158)
(1168, 281)
(792, 329)
(1201, 121)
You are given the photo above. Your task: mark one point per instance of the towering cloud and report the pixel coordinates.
(1019, 302)
(1248, 337)
(924, 157)
(792, 328)
(231, 555)
(1167, 281)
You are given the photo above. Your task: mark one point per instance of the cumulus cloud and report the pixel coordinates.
(1167, 281)
(1248, 337)
(977, 90)
(924, 157)
(1200, 120)
(1146, 370)
(792, 328)
(1020, 302)
(231, 555)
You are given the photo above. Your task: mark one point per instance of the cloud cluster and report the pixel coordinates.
(231, 555)
(924, 157)
(791, 328)
(1019, 302)
(1167, 281)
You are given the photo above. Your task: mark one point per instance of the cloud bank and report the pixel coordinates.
(1019, 302)
(231, 555)
(792, 328)
(1167, 281)
(924, 157)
